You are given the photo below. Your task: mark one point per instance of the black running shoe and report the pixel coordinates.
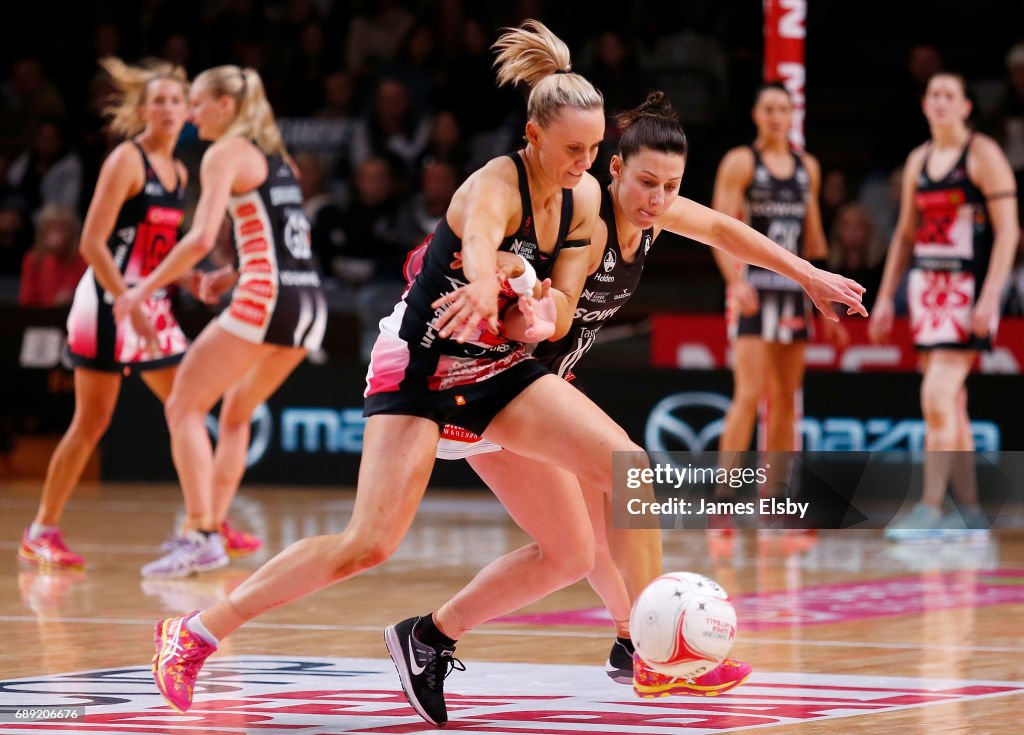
(620, 661)
(422, 669)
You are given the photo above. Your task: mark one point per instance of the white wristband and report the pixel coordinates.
(523, 284)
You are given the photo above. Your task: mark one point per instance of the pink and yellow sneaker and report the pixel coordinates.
(180, 654)
(648, 683)
(48, 550)
(239, 543)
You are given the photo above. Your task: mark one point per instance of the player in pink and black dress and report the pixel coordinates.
(440, 359)
(958, 233)
(131, 225)
(642, 201)
(276, 315)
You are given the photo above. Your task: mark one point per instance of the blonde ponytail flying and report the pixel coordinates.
(535, 56)
(132, 83)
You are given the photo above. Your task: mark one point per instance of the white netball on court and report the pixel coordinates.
(683, 624)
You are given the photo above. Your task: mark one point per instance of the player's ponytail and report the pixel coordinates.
(254, 118)
(533, 55)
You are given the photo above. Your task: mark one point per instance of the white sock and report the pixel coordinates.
(195, 625)
(37, 529)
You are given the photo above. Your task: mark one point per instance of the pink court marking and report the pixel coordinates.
(842, 602)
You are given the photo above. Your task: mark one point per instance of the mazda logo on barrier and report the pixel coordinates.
(686, 421)
(261, 427)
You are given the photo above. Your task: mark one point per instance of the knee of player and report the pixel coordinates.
(234, 413)
(92, 428)
(368, 550)
(936, 401)
(575, 559)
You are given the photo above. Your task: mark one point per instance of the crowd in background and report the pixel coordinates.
(387, 105)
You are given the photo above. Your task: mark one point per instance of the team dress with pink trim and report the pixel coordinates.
(952, 248)
(278, 299)
(605, 291)
(415, 372)
(145, 231)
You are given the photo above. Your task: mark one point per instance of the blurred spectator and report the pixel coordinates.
(15, 239)
(447, 144)
(97, 140)
(239, 24)
(339, 96)
(374, 35)
(617, 73)
(362, 246)
(53, 267)
(394, 125)
(322, 209)
(27, 98)
(49, 172)
(177, 49)
(855, 249)
(306, 67)
(880, 193)
(328, 134)
(834, 194)
(1009, 123)
(473, 95)
(419, 215)
(418, 65)
(904, 127)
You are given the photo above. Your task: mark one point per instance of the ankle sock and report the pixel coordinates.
(195, 625)
(426, 632)
(38, 529)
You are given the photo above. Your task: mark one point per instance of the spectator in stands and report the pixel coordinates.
(306, 67)
(902, 126)
(49, 172)
(53, 267)
(1008, 126)
(418, 65)
(394, 125)
(855, 250)
(478, 105)
(616, 71)
(447, 143)
(27, 98)
(362, 247)
(418, 216)
(322, 209)
(375, 34)
(835, 192)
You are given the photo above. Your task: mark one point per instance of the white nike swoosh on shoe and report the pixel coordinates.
(413, 664)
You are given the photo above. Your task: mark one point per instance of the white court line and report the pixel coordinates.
(536, 633)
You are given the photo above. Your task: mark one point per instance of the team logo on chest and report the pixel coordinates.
(609, 260)
(525, 248)
(648, 241)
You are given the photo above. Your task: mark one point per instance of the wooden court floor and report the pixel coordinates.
(940, 612)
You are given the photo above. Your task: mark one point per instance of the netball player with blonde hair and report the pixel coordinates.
(131, 225)
(276, 315)
(439, 359)
(641, 202)
(958, 233)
